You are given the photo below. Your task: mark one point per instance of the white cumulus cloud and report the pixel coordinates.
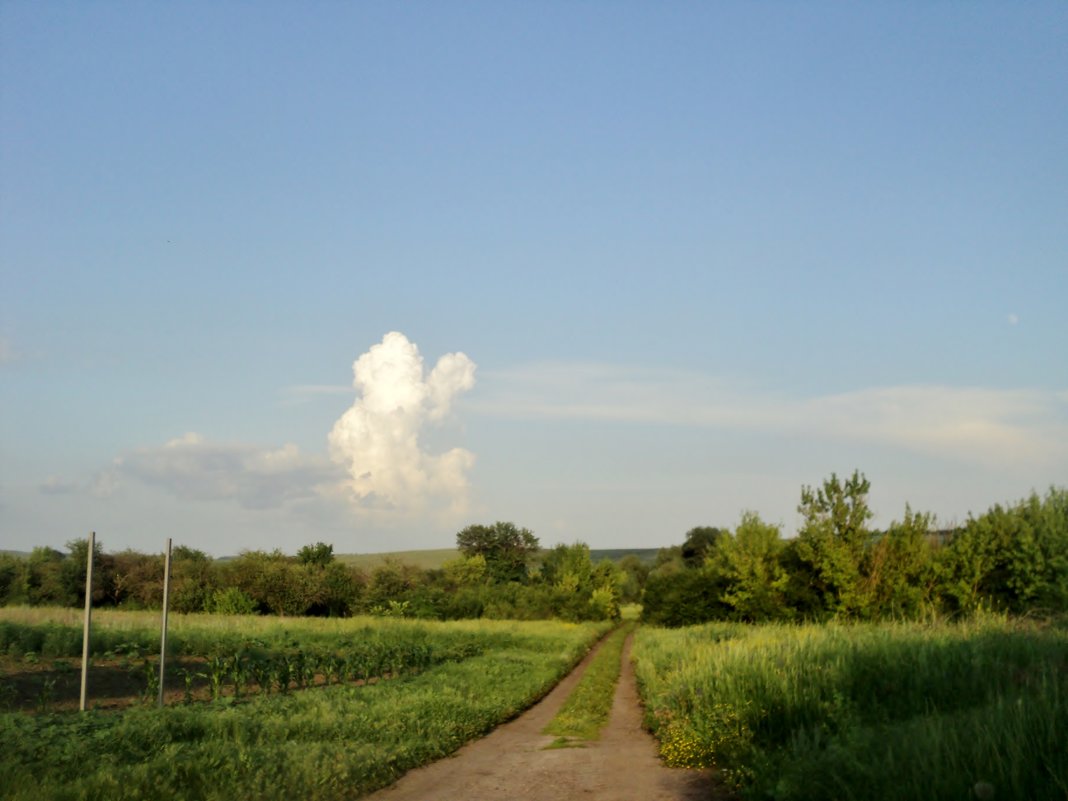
(378, 439)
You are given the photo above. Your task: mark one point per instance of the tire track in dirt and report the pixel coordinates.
(512, 762)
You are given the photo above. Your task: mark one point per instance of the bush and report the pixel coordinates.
(231, 601)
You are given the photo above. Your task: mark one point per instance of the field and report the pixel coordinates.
(433, 559)
(890, 711)
(315, 709)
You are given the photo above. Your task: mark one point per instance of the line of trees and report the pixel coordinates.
(501, 572)
(1011, 558)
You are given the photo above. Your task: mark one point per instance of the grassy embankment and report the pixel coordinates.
(891, 711)
(331, 742)
(586, 710)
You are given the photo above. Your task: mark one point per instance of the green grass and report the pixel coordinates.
(586, 710)
(891, 711)
(329, 743)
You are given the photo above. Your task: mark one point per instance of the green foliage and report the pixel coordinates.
(506, 548)
(899, 571)
(635, 574)
(231, 601)
(465, 571)
(319, 554)
(334, 742)
(698, 544)
(754, 579)
(863, 711)
(830, 547)
(1013, 558)
(681, 597)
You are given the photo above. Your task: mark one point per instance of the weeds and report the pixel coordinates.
(890, 711)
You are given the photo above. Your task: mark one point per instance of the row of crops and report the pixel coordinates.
(888, 711)
(235, 665)
(450, 682)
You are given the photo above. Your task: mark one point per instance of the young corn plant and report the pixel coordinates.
(46, 696)
(150, 673)
(188, 677)
(217, 667)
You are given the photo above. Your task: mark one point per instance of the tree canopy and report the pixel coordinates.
(506, 548)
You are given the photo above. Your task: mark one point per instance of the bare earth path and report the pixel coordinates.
(512, 762)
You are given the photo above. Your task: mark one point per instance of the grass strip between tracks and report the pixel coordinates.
(586, 710)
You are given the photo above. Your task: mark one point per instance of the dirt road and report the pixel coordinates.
(513, 762)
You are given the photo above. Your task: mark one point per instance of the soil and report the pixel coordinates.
(54, 685)
(516, 760)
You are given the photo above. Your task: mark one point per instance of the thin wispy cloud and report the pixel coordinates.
(195, 469)
(7, 351)
(55, 485)
(963, 423)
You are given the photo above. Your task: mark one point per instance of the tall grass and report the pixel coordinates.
(894, 711)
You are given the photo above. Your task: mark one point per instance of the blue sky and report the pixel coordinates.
(695, 256)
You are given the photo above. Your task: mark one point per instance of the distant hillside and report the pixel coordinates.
(646, 555)
(435, 558)
(16, 554)
(428, 560)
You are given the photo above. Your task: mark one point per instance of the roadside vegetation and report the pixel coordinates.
(864, 711)
(344, 738)
(586, 710)
(1012, 559)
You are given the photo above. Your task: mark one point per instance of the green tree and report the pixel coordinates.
(682, 597)
(506, 548)
(753, 576)
(567, 567)
(899, 573)
(829, 550)
(338, 591)
(635, 573)
(393, 581)
(1014, 558)
(194, 579)
(137, 580)
(72, 572)
(319, 554)
(14, 575)
(275, 582)
(464, 571)
(698, 543)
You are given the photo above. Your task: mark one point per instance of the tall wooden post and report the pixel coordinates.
(88, 615)
(163, 636)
